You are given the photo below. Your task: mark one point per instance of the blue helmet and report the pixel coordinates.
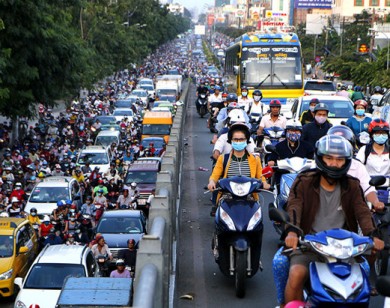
(60, 203)
(68, 202)
(232, 97)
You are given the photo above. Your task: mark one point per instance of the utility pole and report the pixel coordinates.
(341, 36)
(372, 40)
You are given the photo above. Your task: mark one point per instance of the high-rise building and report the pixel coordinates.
(219, 3)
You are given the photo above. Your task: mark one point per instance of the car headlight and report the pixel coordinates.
(6, 275)
(226, 219)
(254, 220)
(20, 304)
(339, 249)
(240, 189)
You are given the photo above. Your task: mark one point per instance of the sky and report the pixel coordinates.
(195, 4)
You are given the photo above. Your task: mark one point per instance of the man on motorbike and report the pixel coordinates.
(313, 131)
(121, 271)
(273, 118)
(308, 115)
(124, 200)
(324, 199)
(129, 255)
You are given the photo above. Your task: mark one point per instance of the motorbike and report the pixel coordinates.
(339, 280)
(237, 239)
(102, 261)
(215, 107)
(202, 105)
(272, 136)
(99, 211)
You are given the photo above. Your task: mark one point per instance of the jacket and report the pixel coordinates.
(304, 201)
(313, 131)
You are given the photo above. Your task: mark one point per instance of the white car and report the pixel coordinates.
(43, 282)
(142, 94)
(97, 156)
(319, 87)
(120, 113)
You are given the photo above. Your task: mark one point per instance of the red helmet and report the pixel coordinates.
(275, 103)
(378, 125)
(361, 102)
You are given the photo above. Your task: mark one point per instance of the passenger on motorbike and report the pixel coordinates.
(238, 162)
(245, 101)
(273, 118)
(223, 115)
(101, 248)
(33, 216)
(375, 156)
(312, 132)
(88, 208)
(308, 115)
(324, 199)
(121, 271)
(359, 122)
(100, 199)
(15, 208)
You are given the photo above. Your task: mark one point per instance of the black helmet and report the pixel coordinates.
(344, 131)
(377, 89)
(337, 146)
(232, 97)
(241, 127)
(33, 210)
(257, 93)
(321, 106)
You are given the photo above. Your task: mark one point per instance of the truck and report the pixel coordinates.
(96, 292)
(169, 85)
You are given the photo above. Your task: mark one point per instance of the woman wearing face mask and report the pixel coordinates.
(308, 115)
(319, 128)
(375, 155)
(238, 162)
(359, 122)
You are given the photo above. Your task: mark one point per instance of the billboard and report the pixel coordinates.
(200, 30)
(313, 4)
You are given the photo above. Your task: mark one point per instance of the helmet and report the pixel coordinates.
(224, 94)
(236, 115)
(314, 101)
(217, 88)
(333, 145)
(357, 88)
(133, 185)
(275, 103)
(100, 191)
(350, 87)
(244, 88)
(377, 89)
(257, 93)
(68, 202)
(232, 97)
(344, 131)
(33, 178)
(89, 198)
(241, 127)
(343, 88)
(18, 184)
(360, 102)
(14, 199)
(378, 125)
(321, 106)
(41, 175)
(46, 218)
(60, 203)
(120, 262)
(293, 124)
(33, 210)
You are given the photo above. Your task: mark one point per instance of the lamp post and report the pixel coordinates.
(357, 44)
(373, 31)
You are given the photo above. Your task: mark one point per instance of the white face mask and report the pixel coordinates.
(244, 93)
(320, 119)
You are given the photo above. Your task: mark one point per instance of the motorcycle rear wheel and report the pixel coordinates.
(382, 262)
(240, 272)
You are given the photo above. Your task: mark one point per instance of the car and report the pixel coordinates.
(144, 173)
(97, 156)
(46, 194)
(17, 257)
(126, 102)
(158, 143)
(146, 81)
(104, 120)
(43, 283)
(142, 94)
(319, 87)
(118, 226)
(149, 88)
(107, 137)
(121, 113)
(340, 107)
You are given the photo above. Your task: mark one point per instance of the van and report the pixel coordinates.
(97, 156)
(18, 249)
(107, 137)
(157, 124)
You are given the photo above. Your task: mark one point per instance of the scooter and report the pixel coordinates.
(215, 107)
(202, 105)
(272, 136)
(237, 239)
(339, 280)
(102, 261)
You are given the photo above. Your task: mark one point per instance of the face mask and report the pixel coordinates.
(320, 119)
(293, 136)
(33, 214)
(257, 98)
(17, 188)
(244, 93)
(239, 146)
(46, 222)
(380, 139)
(72, 219)
(360, 112)
(100, 194)
(88, 202)
(311, 108)
(72, 210)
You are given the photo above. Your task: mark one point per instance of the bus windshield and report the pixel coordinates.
(276, 67)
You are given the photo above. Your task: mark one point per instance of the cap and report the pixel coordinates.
(120, 262)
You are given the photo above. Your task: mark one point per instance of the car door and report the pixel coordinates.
(23, 260)
(92, 267)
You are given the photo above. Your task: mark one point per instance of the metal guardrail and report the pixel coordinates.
(155, 248)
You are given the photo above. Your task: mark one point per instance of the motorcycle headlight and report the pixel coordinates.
(226, 219)
(279, 134)
(6, 275)
(254, 220)
(20, 304)
(240, 189)
(339, 249)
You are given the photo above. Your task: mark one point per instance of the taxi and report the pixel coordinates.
(18, 249)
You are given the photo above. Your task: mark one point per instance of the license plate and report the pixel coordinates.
(101, 260)
(141, 201)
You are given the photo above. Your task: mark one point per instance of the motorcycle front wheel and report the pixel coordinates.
(240, 272)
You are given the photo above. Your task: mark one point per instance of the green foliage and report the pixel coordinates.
(231, 32)
(49, 49)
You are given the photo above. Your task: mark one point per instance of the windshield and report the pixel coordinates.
(320, 86)
(156, 129)
(106, 140)
(140, 93)
(52, 276)
(143, 177)
(156, 143)
(117, 225)
(6, 246)
(337, 109)
(162, 92)
(49, 194)
(123, 113)
(123, 104)
(93, 158)
(147, 87)
(274, 67)
(106, 120)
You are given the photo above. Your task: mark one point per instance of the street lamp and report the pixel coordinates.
(357, 44)
(373, 31)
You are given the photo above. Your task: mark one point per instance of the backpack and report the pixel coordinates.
(367, 152)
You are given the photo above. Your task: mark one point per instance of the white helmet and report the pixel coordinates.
(294, 124)
(133, 185)
(14, 199)
(46, 218)
(4, 214)
(236, 115)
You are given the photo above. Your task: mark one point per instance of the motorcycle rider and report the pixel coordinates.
(245, 101)
(323, 199)
(101, 248)
(121, 271)
(216, 97)
(359, 122)
(124, 200)
(375, 98)
(256, 108)
(312, 132)
(238, 162)
(273, 118)
(129, 255)
(231, 103)
(308, 115)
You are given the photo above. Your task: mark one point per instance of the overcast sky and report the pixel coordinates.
(197, 5)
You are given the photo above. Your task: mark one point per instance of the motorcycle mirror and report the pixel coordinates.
(377, 180)
(383, 285)
(277, 215)
(270, 148)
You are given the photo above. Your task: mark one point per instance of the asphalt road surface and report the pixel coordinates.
(197, 273)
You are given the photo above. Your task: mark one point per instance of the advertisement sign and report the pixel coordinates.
(312, 4)
(210, 19)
